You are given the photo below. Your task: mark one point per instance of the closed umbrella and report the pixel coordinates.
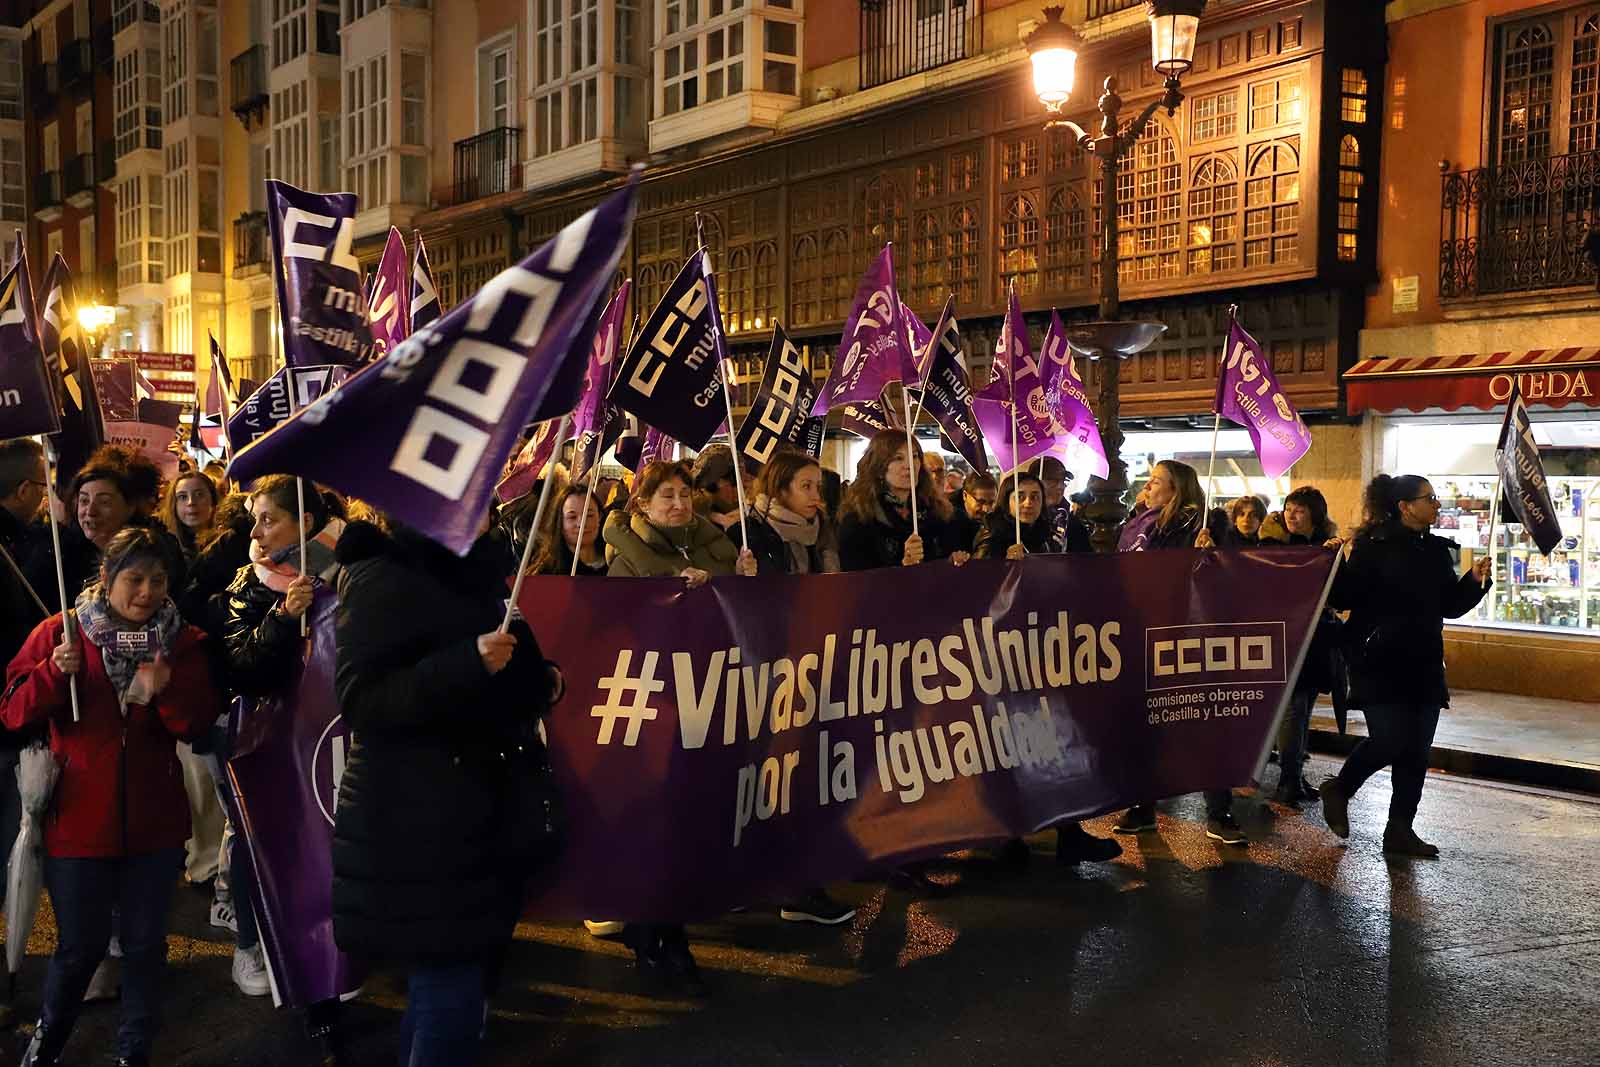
(37, 772)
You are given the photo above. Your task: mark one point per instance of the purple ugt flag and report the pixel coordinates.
(919, 337)
(318, 277)
(1248, 393)
(594, 417)
(1015, 387)
(425, 309)
(27, 401)
(1080, 449)
(389, 306)
(875, 348)
(424, 433)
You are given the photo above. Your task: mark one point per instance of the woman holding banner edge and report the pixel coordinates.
(1175, 518)
(875, 528)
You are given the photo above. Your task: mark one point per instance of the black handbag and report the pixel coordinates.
(531, 813)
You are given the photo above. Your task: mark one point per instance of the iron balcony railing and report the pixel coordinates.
(488, 163)
(1518, 227)
(249, 72)
(903, 37)
(1111, 7)
(249, 242)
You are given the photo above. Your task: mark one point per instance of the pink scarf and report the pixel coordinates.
(277, 570)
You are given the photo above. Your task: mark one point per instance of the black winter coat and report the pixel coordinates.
(1399, 586)
(865, 545)
(19, 614)
(214, 569)
(419, 869)
(999, 533)
(262, 646)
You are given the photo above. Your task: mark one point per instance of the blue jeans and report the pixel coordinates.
(240, 872)
(84, 894)
(1398, 736)
(443, 1025)
(1294, 737)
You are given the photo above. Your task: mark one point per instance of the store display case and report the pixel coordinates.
(1561, 591)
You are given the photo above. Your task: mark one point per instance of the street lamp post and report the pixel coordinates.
(93, 320)
(1053, 48)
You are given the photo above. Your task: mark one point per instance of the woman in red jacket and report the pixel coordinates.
(119, 818)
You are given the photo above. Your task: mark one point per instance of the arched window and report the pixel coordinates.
(1066, 243)
(1214, 216)
(765, 299)
(1527, 82)
(838, 282)
(1019, 246)
(961, 254)
(927, 261)
(1350, 182)
(1150, 208)
(645, 295)
(713, 232)
(882, 205)
(803, 290)
(1582, 116)
(1272, 207)
(735, 293)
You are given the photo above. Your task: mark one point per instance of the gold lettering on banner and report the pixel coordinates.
(1547, 385)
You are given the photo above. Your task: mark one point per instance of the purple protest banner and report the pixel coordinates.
(780, 413)
(318, 278)
(425, 310)
(389, 306)
(875, 348)
(885, 716)
(1015, 387)
(271, 403)
(289, 754)
(28, 404)
(1077, 432)
(424, 434)
(152, 440)
(946, 394)
(594, 417)
(671, 377)
(1248, 393)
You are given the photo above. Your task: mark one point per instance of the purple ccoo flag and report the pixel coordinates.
(595, 419)
(1080, 448)
(424, 434)
(1522, 481)
(1248, 393)
(1015, 374)
(318, 277)
(271, 403)
(671, 377)
(389, 304)
(875, 348)
(28, 403)
(780, 414)
(425, 309)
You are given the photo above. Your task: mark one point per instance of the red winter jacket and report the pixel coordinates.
(121, 788)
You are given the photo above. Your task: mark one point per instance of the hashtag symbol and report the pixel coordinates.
(643, 686)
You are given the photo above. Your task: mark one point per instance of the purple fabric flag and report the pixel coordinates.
(67, 354)
(670, 378)
(1077, 432)
(594, 419)
(423, 434)
(1015, 374)
(271, 403)
(780, 413)
(946, 394)
(425, 310)
(28, 403)
(522, 473)
(657, 446)
(920, 338)
(1522, 481)
(867, 417)
(389, 304)
(875, 345)
(318, 277)
(1248, 394)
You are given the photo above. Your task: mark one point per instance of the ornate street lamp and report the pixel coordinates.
(1053, 47)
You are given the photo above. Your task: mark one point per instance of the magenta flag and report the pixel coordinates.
(1078, 434)
(921, 340)
(875, 348)
(1015, 386)
(593, 416)
(389, 308)
(1248, 393)
(657, 445)
(523, 471)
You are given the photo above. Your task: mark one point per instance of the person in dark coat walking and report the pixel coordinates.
(1399, 585)
(443, 708)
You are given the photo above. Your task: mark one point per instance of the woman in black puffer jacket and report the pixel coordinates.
(443, 711)
(1399, 584)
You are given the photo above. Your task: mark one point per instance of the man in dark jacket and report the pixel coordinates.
(972, 505)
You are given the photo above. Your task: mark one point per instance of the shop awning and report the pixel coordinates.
(1553, 377)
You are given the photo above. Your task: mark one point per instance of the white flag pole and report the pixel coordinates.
(733, 446)
(1011, 368)
(533, 527)
(1216, 424)
(911, 458)
(61, 576)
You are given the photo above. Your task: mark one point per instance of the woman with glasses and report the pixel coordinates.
(1399, 586)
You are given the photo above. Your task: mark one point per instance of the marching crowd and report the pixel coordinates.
(188, 595)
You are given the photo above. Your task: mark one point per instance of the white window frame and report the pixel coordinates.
(710, 76)
(13, 190)
(506, 44)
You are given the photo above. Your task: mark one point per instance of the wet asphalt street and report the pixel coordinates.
(1297, 950)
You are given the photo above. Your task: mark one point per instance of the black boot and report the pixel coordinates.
(678, 965)
(1074, 844)
(645, 940)
(1403, 841)
(45, 1048)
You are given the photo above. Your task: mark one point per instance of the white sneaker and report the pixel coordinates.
(222, 916)
(603, 927)
(250, 972)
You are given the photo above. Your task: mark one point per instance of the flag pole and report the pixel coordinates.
(1011, 368)
(22, 578)
(61, 576)
(533, 527)
(583, 519)
(727, 395)
(911, 458)
(300, 493)
(1494, 518)
(1216, 424)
